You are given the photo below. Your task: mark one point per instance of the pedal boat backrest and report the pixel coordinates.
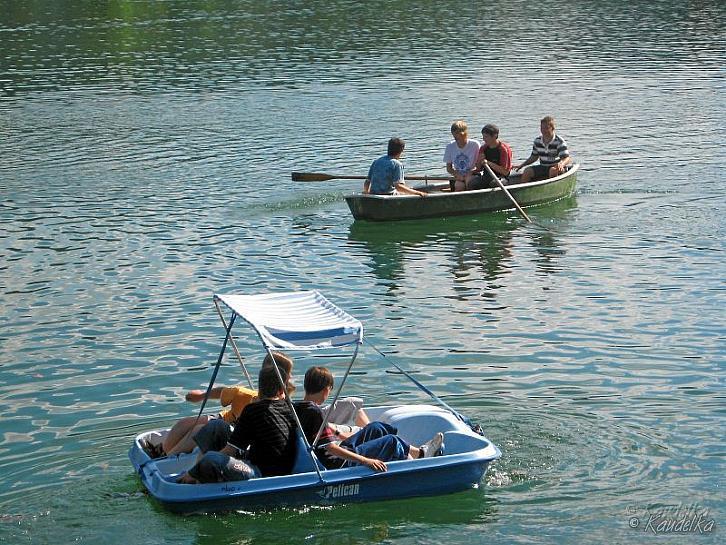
(303, 462)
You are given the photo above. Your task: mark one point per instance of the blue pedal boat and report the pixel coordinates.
(307, 321)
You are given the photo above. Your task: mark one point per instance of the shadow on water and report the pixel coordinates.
(471, 244)
(372, 522)
(351, 523)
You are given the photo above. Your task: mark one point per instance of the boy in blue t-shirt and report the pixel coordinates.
(385, 177)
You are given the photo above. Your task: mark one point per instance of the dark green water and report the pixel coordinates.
(145, 159)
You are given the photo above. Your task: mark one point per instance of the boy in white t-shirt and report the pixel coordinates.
(460, 155)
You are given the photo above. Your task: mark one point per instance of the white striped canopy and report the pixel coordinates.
(296, 320)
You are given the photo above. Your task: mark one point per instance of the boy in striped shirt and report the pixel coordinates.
(551, 150)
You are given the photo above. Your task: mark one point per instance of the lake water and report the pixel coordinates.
(146, 150)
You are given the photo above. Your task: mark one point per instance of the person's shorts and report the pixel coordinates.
(541, 172)
(215, 467)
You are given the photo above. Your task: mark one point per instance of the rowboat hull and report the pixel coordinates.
(466, 458)
(440, 203)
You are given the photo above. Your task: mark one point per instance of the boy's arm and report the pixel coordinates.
(340, 434)
(197, 396)
(497, 168)
(562, 164)
(403, 188)
(480, 160)
(231, 450)
(531, 159)
(367, 183)
(345, 454)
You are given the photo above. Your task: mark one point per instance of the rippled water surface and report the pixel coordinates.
(146, 151)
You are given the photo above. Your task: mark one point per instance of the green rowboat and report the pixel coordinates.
(440, 202)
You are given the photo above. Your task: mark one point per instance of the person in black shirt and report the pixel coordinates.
(181, 436)
(495, 154)
(261, 445)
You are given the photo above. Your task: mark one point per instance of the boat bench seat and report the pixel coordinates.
(419, 427)
(457, 442)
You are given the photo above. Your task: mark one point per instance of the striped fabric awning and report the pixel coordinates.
(299, 320)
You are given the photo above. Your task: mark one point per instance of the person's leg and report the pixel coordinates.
(387, 448)
(215, 467)
(187, 443)
(476, 182)
(468, 181)
(483, 181)
(361, 418)
(213, 435)
(371, 431)
(527, 175)
(553, 171)
(490, 178)
(178, 432)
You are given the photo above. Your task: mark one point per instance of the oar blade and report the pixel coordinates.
(311, 177)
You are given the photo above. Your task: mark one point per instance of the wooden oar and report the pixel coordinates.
(507, 193)
(516, 204)
(324, 177)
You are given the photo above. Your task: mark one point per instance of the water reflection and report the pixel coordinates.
(144, 45)
(486, 256)
(472, 248)
(376, 522)
(547, 242)
(391, 245)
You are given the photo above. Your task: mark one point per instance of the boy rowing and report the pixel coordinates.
(385, 177)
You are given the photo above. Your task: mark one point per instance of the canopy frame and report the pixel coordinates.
(347, 331)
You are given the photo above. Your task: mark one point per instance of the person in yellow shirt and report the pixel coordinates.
(179, 439)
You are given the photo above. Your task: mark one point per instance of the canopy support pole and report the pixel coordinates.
(421, 386)
(234, 346)
(216, 368)
(308, 448)
(337, 393)
(227, 336)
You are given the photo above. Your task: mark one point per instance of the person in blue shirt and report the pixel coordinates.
(385, 177)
